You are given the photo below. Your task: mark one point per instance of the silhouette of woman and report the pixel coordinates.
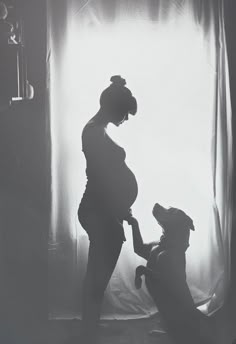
(111, 190)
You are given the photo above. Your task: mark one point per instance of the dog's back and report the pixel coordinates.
(172, 297)
(170, 288)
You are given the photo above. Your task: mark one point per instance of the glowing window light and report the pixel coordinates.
(168, 142)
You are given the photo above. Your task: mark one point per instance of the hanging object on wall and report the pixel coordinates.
(14, 85)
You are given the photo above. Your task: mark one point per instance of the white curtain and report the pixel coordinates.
(173, 56)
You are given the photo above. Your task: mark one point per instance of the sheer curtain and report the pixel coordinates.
(173, 56)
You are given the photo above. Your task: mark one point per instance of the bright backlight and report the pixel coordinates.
(170, 72)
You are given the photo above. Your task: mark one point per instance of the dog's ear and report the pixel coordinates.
(191, 225)
(186, 220)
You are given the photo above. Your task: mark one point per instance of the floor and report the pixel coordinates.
(112, 332)
(137, 331)
(22, 331)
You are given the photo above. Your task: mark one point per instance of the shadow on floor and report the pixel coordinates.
(137, 331)
(111, 332)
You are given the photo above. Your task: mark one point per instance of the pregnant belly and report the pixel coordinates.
(124, 189)
(115, 192)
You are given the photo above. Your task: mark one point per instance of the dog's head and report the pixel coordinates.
(172, 218)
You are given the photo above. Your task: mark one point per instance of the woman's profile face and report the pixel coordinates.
(120, 117)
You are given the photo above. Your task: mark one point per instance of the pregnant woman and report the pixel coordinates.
(110, 192)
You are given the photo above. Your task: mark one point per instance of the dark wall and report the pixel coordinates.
(25, 187)
(25, 193)
(230, 26)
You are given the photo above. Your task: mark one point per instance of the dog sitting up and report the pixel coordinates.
(165, 275)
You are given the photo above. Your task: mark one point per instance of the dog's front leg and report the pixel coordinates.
(140, 271)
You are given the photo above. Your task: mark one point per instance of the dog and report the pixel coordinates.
(165, 275)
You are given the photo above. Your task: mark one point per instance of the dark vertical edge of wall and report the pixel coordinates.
(25, 185)
(35, 19)
(230, 26)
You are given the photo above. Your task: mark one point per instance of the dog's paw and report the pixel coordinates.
(138, 282)
(140, 270)
(131, 220)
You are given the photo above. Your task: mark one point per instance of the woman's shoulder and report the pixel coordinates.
(90, 125)
(91, 128)
(92, 134)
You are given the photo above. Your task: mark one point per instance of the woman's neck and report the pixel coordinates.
(101, 118)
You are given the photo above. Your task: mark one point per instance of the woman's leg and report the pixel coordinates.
(102, 259)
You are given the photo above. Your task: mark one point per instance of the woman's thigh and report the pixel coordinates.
(100, 226)
(102, 259)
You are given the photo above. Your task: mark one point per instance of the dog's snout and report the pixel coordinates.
(158, 212)
(157, 206)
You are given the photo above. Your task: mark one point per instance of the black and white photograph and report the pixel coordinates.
(117, 172)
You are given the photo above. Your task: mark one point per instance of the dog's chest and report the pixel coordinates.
(152, 260)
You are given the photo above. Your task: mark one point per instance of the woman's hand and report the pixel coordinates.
(130, 218)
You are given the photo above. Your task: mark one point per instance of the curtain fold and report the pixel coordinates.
(222, 163)
(173, 54)
(229, 8)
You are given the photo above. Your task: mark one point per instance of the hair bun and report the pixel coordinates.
(117, 80)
